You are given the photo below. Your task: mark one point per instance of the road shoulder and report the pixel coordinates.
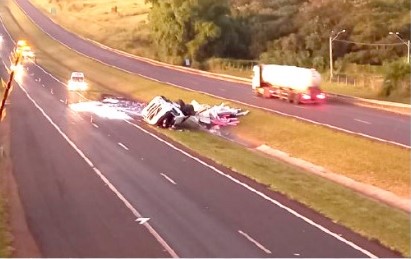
(22, 243)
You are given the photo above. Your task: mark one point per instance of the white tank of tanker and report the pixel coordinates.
(301, 85)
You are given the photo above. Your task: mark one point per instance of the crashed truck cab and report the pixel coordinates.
(163, 113)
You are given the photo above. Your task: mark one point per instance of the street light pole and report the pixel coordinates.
(331, 57)
(408, 47)
(396, 34)
(331, 39)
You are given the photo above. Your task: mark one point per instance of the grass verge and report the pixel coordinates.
(374, 220)
(5, 241)
(375, 163)
(4, 230)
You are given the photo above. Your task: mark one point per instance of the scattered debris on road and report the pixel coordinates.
(163, 112)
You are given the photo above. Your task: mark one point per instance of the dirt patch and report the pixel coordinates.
(22, 242)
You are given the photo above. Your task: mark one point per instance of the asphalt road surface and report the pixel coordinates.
(378, 124)
(85, 180)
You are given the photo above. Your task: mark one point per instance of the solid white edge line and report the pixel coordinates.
(215, 96)
(169, 179)
(162, 242)
(123, 146)
(262, 195)
(255, 242)
(309, 221)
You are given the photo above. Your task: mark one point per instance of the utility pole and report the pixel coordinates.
(408, 56)
(397, 34)
(331, 57)
(331, 39)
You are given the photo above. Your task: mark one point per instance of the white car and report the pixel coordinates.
(77, 82)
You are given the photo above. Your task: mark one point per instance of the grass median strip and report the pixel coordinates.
(111, 27)
(384, 165)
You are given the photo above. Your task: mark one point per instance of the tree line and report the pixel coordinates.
(279, 31)
(289, 32)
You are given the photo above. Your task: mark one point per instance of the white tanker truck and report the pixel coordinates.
(294, 84)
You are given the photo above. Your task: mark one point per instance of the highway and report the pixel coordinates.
(365, 121)
(112, 188)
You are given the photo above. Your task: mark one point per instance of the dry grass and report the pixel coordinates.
(125, 29)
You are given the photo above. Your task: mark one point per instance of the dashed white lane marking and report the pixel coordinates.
(362, 121)
(123, 146)
(169, 179)
(103, 178)
(262, 195)
(255, 242)
(209, 94)
(168, 248)
(61, 101)
(95, 125)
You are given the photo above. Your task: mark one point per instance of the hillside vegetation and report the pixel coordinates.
(292, 32)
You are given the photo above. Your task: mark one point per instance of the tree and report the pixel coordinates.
(196, 28)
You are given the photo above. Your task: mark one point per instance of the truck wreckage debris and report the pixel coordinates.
(164, 113)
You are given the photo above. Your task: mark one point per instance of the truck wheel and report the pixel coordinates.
(267, 93)
(256, 93)
(297, 99)
(290, 97)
